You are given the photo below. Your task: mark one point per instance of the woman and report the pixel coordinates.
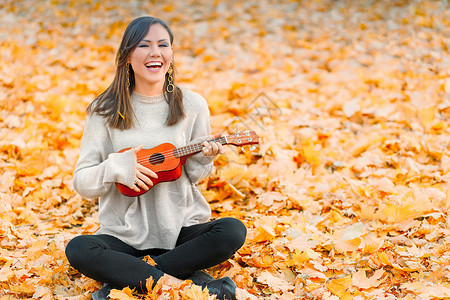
(143, 108)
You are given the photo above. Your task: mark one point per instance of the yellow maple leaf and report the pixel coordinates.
(340, 286)
(6, 272)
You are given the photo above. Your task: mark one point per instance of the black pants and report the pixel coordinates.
(109, 260)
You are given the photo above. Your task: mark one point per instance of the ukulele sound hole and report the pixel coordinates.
(156, 159)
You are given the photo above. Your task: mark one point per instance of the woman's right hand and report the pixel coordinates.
(142, 180)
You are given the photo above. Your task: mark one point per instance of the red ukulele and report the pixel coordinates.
(166, 160)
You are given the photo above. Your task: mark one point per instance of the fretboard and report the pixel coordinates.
(195, 148)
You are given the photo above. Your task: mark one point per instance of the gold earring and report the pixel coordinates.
(128, 75)
(170, 87)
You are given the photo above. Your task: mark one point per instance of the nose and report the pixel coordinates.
(154, 51)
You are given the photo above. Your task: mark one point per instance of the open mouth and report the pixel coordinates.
(154, 65)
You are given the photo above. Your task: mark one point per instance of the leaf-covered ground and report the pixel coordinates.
(347, 195)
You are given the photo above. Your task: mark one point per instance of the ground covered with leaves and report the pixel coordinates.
(347, 195)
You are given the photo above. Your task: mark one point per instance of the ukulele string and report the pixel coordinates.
(222, 140)
(169, 152)
(171, 156)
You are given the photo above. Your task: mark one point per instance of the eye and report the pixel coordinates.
(164, 45)
(143, 45)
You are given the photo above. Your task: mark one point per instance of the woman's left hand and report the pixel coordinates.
(212, 148)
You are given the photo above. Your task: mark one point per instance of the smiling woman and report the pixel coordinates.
(151, 61)
(141, 35)
(143, 107)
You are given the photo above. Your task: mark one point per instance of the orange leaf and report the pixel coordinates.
(360, 279)
(340, 286)
(124, 294)
(264, 234)
(195, 292)
(149, 260)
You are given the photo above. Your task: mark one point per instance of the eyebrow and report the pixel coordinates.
(163, 40)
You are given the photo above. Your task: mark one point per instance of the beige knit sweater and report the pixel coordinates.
(154, 219)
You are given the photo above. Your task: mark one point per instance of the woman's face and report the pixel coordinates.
(150, 61)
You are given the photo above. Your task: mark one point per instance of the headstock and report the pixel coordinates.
(243, 138)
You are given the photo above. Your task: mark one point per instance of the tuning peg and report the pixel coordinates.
(252, 148)
(242, 148)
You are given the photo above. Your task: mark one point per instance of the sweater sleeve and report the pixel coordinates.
(98, 167)
(198, 166)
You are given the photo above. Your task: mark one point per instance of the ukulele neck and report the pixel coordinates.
(195, 148)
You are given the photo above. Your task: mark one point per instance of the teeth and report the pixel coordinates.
(154, 64)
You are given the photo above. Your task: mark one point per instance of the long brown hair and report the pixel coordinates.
(114, 103)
